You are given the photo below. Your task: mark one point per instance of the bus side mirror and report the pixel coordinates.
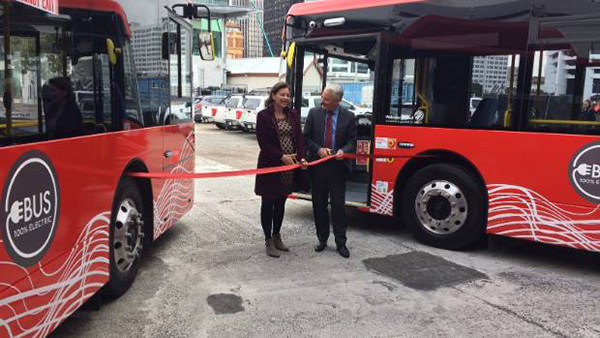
(206, 44)
(112, 51)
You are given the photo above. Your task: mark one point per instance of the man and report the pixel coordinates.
(330, 129)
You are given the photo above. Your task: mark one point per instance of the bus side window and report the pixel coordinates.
(133, 113)
(567, 100)
(180, 74)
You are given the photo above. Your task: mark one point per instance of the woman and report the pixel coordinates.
(281, 142)
(63, 118)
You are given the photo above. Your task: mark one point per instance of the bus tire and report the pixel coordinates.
(126, 237)
(445, 206)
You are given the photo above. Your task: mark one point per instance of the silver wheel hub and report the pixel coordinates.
(441, 207)
(128, 237)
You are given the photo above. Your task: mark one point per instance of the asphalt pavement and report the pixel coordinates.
(210, 277)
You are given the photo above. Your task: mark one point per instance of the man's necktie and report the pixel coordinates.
(329, 131)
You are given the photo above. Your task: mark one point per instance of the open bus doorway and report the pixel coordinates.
(348, 65)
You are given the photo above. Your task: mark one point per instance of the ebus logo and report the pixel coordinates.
(30, 208)
(584, 172)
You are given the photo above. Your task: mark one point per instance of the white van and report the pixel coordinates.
(311, 101)
(209, 107)
(252, 106)
(222, 112)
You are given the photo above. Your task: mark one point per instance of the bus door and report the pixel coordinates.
(344, 62)
(178, 115)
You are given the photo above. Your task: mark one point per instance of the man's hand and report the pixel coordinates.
(339, 154)
(324, 152)
(288, 159)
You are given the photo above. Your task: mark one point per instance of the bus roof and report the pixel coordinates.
(101, 6)
(328, 6)
(468, 9)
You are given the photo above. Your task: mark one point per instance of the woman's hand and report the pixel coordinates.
(288, 159)
(304, 164)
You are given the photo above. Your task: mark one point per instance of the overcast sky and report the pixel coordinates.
(146, 12)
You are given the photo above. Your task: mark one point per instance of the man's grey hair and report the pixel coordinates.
(336, 89)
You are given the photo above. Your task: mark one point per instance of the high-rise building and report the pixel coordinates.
(251, 27)
(275, 11)
(491, 72)
(235, 40)
(560, 68)
(147, 49)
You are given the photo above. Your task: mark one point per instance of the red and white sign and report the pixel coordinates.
(50, 6)
(363, 147)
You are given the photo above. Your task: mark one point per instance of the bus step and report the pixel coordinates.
(308, 197)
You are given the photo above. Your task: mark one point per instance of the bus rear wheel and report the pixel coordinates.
(445, 206)
(126, 239)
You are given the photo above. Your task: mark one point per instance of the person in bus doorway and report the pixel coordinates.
(63, 117)
(585, 111)
(280, 139)
(329, 130)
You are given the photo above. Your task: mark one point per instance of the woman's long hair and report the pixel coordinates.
(65, 85)
(274, 90)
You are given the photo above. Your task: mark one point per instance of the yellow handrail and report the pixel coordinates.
(507, 117)
(424, 106)
(20, 124)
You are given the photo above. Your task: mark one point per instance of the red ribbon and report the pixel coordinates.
(260, 171)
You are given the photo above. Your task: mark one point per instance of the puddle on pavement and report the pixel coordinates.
(225, 303)
(422, 271)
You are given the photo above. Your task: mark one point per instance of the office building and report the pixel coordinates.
(275, 12)
(491, 72)
(251, 27)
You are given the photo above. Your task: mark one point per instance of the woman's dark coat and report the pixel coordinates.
(267, 133)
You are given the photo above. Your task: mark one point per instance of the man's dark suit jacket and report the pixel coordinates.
(345, 134)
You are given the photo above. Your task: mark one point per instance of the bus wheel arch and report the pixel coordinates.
(145, 185)
(454, 176)
(130, 229)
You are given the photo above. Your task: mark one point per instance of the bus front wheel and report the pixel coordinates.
(126, 238)
(445, 206)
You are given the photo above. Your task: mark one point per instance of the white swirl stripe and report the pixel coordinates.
(176, 196)
(37, 304)
(522, 213)
(39, 301)
(382, 203)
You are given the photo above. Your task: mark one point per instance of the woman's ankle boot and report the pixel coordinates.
(279, 243)
(271, 249)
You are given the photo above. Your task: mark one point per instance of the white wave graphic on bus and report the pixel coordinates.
(523, 213)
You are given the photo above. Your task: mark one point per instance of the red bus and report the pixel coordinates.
(480, 109)
(71, 129)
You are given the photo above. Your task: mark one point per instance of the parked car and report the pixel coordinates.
(311, 101)
(209, 107)
(198, 109)
(234, 113)
(88, 110)
(252, 106)
(178, 112)
(473, 104)
(220, 115)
